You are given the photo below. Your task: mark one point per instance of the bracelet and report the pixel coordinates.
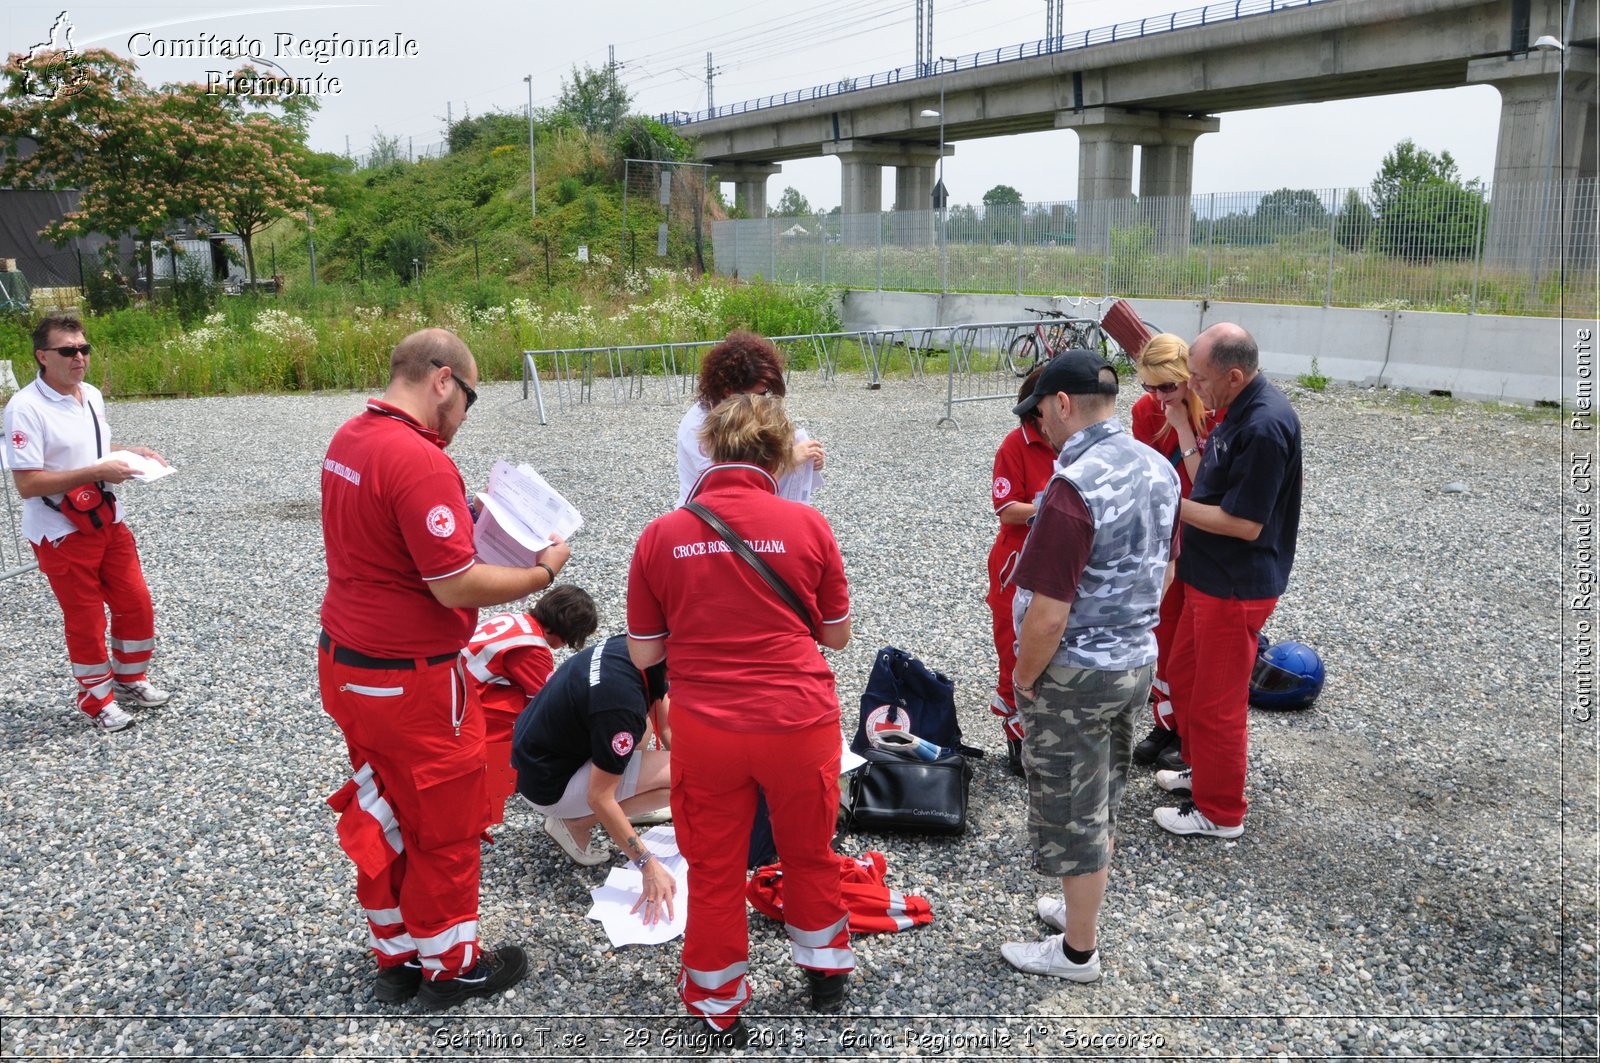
(548, 569)
(1192, 450)
(644, 861)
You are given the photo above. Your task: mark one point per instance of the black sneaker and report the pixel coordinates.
(396, 985)
(1014, 757)
(827, 990)
(1153, 745)
(495, 970)
(1171, 758)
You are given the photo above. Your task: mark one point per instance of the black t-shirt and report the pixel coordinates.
(1252, 469)
(593, 708)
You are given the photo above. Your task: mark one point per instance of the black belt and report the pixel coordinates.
(361, 660)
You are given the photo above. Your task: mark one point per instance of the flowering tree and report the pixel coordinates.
(146, 159)
(96, 127)
(250, 169)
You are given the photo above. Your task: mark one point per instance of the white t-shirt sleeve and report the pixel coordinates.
(692, 461)
(24, 443)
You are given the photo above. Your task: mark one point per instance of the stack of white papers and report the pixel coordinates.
(148, 468)
(518, 514)
(625, 885)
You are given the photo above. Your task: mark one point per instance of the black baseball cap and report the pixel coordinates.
(1074, 372)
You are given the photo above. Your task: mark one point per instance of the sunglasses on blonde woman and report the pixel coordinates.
(1159, 389)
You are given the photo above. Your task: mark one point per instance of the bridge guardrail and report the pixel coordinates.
(1117, 32)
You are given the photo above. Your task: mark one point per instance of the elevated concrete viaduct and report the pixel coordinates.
(1163, 91)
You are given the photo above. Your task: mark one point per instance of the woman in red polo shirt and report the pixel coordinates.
(754, 705)
(1172, 419)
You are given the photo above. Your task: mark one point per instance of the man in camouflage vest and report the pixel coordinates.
(1089, 585)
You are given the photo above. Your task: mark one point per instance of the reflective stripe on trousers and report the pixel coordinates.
(826, 950)
(715, 993)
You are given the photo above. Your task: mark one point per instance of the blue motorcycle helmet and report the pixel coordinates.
(1288, 675)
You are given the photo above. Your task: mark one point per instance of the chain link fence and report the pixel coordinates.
(1443, 246)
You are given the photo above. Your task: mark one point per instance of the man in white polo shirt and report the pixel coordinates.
(57, 441)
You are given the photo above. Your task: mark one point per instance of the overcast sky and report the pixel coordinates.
(471, 56)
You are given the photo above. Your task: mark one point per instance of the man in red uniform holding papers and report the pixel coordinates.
(403, 592)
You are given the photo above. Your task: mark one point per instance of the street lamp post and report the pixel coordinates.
(941, 191)
(1547, 43)
(533, 199)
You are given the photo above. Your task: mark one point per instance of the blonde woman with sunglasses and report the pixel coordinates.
(1169, 417)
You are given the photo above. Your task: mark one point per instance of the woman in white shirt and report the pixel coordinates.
(743, 364)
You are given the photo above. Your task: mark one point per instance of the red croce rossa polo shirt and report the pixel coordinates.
(394, 518)
(736, 654)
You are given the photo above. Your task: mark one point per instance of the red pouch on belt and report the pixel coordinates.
(87, 506)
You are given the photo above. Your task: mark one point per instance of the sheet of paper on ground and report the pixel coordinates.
(613, 901)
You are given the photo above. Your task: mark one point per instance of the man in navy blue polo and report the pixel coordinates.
(1240, 524)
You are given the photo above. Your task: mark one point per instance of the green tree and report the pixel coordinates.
(594, 99)
(1422, 208)
(490, 130)
(792, 205)
(1290, 210)
(1407, 166)
(1002, 196)
(383, 152)
(1354, 223)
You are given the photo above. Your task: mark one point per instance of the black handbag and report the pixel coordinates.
(900, 793)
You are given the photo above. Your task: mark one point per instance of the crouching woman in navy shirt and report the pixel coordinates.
(753, 704)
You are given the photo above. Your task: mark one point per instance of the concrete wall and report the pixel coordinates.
(1471, 356)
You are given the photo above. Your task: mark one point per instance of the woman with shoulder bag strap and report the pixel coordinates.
(754, 704)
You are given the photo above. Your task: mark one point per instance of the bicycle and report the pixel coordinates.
(1048, 338)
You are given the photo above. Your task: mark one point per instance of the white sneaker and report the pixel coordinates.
(1176, 782)
(112, 718)
(1187, 819)
(142, 693)
(1053, 911)
(1045, 957)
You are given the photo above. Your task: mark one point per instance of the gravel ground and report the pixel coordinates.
(1401, 888)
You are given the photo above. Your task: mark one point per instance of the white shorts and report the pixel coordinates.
(574, 801)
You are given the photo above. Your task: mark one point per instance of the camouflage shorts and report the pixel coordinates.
(1078, 747)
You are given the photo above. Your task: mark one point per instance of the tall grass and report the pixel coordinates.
(340, 336)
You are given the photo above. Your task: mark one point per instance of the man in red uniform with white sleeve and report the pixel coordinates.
(58, 444)
(1022, 468)
(403, 593)
(509, 660)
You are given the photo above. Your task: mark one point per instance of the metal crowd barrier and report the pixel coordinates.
(978, 368)
(621, 373)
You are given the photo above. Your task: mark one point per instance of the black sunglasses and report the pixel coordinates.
(71, 350)
(471, 395)
(1164, 389)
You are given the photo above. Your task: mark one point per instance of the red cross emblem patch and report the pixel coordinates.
(622, 743)
(19, 439)
(441, 521)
